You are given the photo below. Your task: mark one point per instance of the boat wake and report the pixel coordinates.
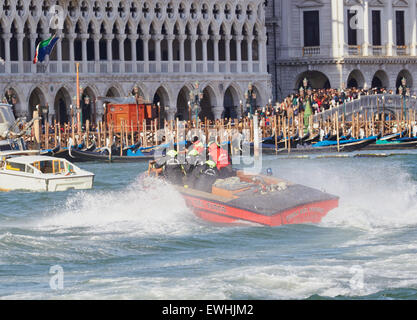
(372, 197)
(145, 207)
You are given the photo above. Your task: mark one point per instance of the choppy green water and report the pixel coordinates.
(120, 241)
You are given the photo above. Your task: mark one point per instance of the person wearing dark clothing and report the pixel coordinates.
(173, 171)
(205, 176)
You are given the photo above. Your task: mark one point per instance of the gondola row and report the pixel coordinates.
(330, 143)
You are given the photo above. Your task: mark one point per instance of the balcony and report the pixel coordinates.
(377, 50)
(354, 50)
(311, 51)
(402, 50)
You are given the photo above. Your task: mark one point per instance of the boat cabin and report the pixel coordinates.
(127, 110)
(36, 165)
(25, 170)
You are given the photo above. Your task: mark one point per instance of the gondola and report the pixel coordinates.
(332, 146)
(397, 144)
(84, 156)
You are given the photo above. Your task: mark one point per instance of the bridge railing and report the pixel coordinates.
(372, 103)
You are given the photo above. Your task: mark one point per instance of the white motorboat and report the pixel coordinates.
(27, 170)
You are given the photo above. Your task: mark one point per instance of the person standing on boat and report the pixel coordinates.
(222, 159)
(195, 158)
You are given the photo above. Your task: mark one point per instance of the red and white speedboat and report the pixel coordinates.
(259, 199)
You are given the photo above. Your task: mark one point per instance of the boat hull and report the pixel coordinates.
(84, 156)
(392, 146)
(288, 207)
(343, 147)
(13, 182)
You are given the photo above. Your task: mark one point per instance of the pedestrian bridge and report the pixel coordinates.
(368, 104)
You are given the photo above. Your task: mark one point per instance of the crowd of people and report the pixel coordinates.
(320, 100)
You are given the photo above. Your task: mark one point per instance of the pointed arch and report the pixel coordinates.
(62, 104)
(35, 98)
(91, 93)
(231, 99)
(183, 97)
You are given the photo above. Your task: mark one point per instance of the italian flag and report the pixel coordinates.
(44, 48)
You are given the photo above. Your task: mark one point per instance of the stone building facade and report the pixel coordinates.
(161, 46)
(341, 43)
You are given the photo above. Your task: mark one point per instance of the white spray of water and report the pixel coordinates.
(372, 196)
(143, 208)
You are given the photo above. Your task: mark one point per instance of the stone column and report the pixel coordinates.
(335, 28)
(71, 37)
(285, 43)
(32, 37)
(121, 38)
(366, 29)
(51, 110)
(238, 39)
(170, 113)
(216, 38)
(109, 38)
(59, 51)
(204, 38)
(217, 111)
(145, 38)
(97, 38)
(170, 38)
(84, 38)
(157, 38)
(227, 39)
(6, 38)
(341, 25)
(262, 53)
(390, 29)
(19, 38)
(181, 39)
(413, 23)
(249, 40)
(194, 39)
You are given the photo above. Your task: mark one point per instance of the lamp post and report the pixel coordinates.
(196, 95)
(250, 95)
(241, 108)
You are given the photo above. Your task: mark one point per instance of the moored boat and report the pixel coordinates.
(332, 146)
(33, 172)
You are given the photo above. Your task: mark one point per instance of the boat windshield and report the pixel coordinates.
(53, 166)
